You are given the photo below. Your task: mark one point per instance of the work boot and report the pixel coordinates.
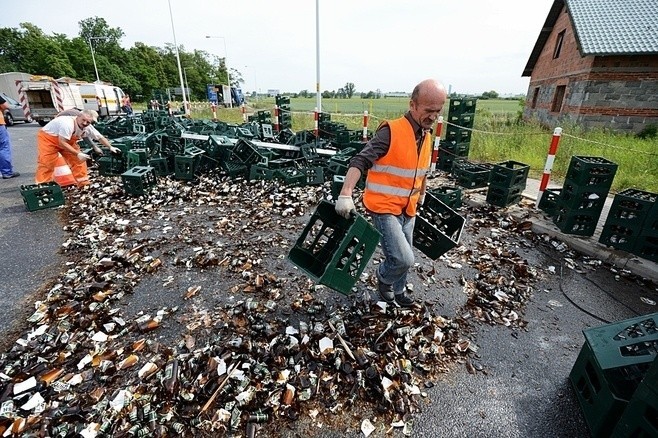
(13, 175)
(386, 292)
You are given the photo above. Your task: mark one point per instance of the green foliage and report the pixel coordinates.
(649, 132)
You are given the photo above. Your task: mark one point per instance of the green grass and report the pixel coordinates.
(498, 137)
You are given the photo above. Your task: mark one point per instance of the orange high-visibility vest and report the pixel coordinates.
(394, 182)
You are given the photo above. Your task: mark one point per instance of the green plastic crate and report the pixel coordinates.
(632, 207)
(575, 222)
(161, 166)
(437, 229)
(261, 172)
(454, 148)
(446, 161)
(612, 363)
(509, 174)
(618, 236)
(460, 106)
(503, 196)
(110, 166)
(582, 199)
(42, 196)
(548, 201)
(458, 135)
(640, 418)
(333, 250)
(646, 246)
(463, 119)
(593, 172)
(449, 195)
(337, 185)
(138, 180)
(470, 175)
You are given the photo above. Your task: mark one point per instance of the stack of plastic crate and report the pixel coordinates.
(583, 195)
(612, 362)
(285, 113)
(507, 182)
(455, 146)
(628, 213)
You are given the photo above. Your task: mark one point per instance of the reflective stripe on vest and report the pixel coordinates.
(394, 182)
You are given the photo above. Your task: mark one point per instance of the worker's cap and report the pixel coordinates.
(91, 114)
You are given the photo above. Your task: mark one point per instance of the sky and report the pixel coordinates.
(471, 46)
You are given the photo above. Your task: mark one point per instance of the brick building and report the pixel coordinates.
(595, 63)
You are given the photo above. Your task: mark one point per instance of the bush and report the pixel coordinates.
(649, 132)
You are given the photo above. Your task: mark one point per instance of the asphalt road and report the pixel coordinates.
(523, 390)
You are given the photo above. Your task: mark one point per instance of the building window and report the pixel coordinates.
(558, 98)
(535, 96)
(558, 45)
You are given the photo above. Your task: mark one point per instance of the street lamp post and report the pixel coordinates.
(255, 82)
(180, 70)
(228, 73)
(93, 57)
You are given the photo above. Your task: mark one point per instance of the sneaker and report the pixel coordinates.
(13, 175)
(386, 292)
(403, 300)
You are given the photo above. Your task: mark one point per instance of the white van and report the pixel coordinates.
(106, 99)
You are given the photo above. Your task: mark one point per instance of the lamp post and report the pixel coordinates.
(255, 82)
(187, 86)
(228, 74)
(180, 70)
(93, 57)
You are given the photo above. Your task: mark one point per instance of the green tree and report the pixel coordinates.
(349, 89)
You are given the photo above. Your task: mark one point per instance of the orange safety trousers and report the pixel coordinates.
(48, 148)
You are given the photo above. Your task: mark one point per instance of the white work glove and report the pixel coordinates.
(421, 199)
(345, 205)
(115, 150)
(83, 157)
(99, 151)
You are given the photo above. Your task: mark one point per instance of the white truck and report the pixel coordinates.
(104, 98)
(43, 97)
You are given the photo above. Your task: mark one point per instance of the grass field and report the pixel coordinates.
(498, 136)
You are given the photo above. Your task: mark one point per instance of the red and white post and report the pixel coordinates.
(316, 118)
(364, 137)
(276, 119)
(437, 142)
(244, 113)
(550, 159)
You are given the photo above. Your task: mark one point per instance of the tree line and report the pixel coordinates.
(141, 71)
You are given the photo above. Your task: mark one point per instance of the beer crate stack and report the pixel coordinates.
(629, 211)
(455, 146)
(613, 364)
(285, 114)
(583, 195)
(507, 182)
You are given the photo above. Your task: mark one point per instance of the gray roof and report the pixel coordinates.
(615, 27)
(604, 27)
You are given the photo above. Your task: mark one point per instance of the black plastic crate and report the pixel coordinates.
(509, 174)
(333, 250)
(548, 201)
(437, 228)
(458, 135)
(462, 119)
(454, 148)
(595, 172)
(447, 161)
(503, 197)
(632, 207)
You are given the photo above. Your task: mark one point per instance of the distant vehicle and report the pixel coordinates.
(15, 112)
(104, 98)
(221, 95)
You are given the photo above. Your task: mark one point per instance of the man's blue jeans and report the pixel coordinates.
(397, 243)
(5, 152)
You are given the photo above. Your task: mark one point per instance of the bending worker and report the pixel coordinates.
(61, 135)
(398, 159)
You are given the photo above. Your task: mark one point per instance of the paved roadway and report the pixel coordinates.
(525, 391)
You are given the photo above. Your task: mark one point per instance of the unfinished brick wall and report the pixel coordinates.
(618, 92)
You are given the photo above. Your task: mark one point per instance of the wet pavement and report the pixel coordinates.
(521, 387)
